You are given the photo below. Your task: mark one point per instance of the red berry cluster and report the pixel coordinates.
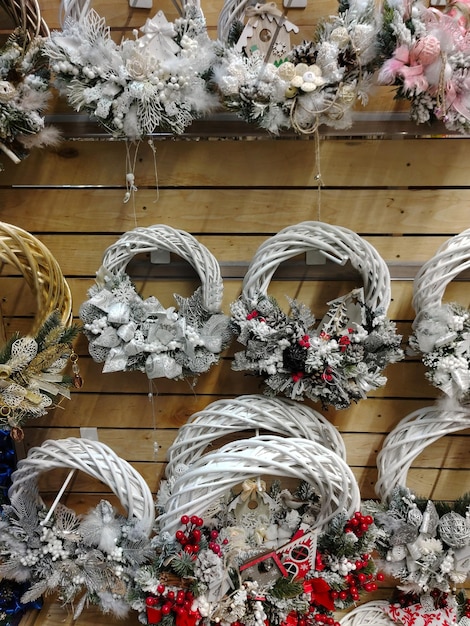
(176, 602)
(359, 524)
(358, 581)
(467, 608)
(322, 618)
(190, 538)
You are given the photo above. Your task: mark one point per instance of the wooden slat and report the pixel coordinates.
(430, 214)
(374, 415)
(383, 163)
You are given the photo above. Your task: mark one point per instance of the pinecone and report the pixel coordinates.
(303, 53)
(294, 358)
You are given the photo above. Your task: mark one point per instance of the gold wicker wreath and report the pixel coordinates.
(31, 366)
(41, 271)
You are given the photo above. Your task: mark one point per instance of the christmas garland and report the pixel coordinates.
(31, 373)
(127, 332)
(250, 565)
(427, 54)
(336, 361)
(153, 82)
(314, 83)
(89, 559)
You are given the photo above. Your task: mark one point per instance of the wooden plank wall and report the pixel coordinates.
(405, 196)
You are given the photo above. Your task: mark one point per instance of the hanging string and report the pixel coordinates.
(318, 178)
(151, 396)
(130, 177)
(155, 171)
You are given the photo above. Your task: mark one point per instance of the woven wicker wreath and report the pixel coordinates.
(275, 86)
(425, 545)
(368, 614)
(142, 85)
(211, 476)
(224, 417)
(441, 330)
(337, 361)
(129, 333)
(41, 271)
(86, 559)
(31, 366)
(24, 82)
(409, 438)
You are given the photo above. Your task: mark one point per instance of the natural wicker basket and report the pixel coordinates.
(336, 243)
(368, 614)
(211, 477)
(277, 416)
(41, 271)
(95, 459)
(430, 282)
(409, 438)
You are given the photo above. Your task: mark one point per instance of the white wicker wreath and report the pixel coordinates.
(313, 83)
(211, 476)
(277, 416)
(129, 333)
(424, 545)
(409, 438)
(442, 330)
(368, 614)
(86, 559)
(342, 358)
(142, 85)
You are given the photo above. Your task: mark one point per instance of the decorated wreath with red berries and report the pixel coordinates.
(257, 561)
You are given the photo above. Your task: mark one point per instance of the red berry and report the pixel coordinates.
(185, 519)
(214, 534)
(151, 601)
(196, 535)
(166, 608)
(380, 577)
(343, 595)
(179, 535)
(194, 519)
(161, 589)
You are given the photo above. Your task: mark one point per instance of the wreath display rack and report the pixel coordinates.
(86, 559)
(441, 331)
(255, 412)
(32, 365)
(129, 333)
(212, 475)
(337, 361)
